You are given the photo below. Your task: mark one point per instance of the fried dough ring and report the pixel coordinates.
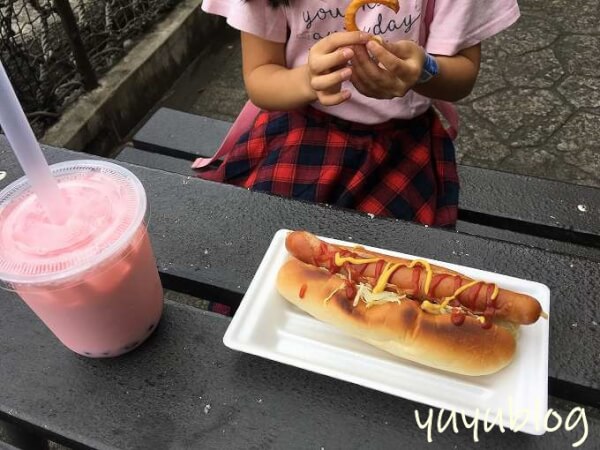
(353, 7)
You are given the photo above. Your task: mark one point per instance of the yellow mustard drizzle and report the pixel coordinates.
(436, 309)
(340, 260)
(446, 301)
(387, 272)
(462, 289)
(459, 291)
(427, 269)
(431, 308)
(495, 293)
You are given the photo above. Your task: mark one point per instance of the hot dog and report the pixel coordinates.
(422, 281)
(399, 325)
(410, 308)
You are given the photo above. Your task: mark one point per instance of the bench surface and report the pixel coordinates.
(209, 239)
(564, 211)
(184, 389)
(524, 236)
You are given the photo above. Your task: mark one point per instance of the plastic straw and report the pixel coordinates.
(28, 152)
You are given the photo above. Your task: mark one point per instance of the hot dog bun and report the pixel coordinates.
(508, 305)
(402, 329)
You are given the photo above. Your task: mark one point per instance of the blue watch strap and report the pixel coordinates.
(430, 69)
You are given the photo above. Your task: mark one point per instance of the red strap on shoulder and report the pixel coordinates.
(242, 123)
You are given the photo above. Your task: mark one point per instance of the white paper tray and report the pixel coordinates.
(267, 325)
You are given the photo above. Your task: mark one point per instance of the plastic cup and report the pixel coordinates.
(92, 280)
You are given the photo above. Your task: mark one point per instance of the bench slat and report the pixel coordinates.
(155, 161)
(181, 135)
(492, 194)
(551, 245)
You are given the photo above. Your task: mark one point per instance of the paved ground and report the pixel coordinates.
(535, 109)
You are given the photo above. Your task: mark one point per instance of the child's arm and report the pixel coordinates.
(272, 86)
(457, 76)
(403, 62)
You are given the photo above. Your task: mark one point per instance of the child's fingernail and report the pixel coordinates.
(347, 53)
(371, 46)
(363, 36)
(346, 74)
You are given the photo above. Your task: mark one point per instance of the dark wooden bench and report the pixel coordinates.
(500, 205)
(183, 389)
(209, 239)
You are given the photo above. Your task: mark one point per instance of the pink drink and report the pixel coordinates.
(92, 280)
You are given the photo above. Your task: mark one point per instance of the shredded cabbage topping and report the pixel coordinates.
(342, 286)
(365, 293)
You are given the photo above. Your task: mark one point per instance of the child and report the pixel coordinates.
(346, 120)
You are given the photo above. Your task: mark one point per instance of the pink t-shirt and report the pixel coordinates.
(457, 24)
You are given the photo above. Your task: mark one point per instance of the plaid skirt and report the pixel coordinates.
(402, 168)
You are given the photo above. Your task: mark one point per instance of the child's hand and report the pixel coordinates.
(396, 69)
(328, 65)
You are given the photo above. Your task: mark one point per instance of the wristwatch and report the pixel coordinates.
(430, 69)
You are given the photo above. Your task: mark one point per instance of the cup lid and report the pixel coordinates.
(106, 204)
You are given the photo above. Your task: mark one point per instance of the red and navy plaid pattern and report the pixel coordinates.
(402, 168)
